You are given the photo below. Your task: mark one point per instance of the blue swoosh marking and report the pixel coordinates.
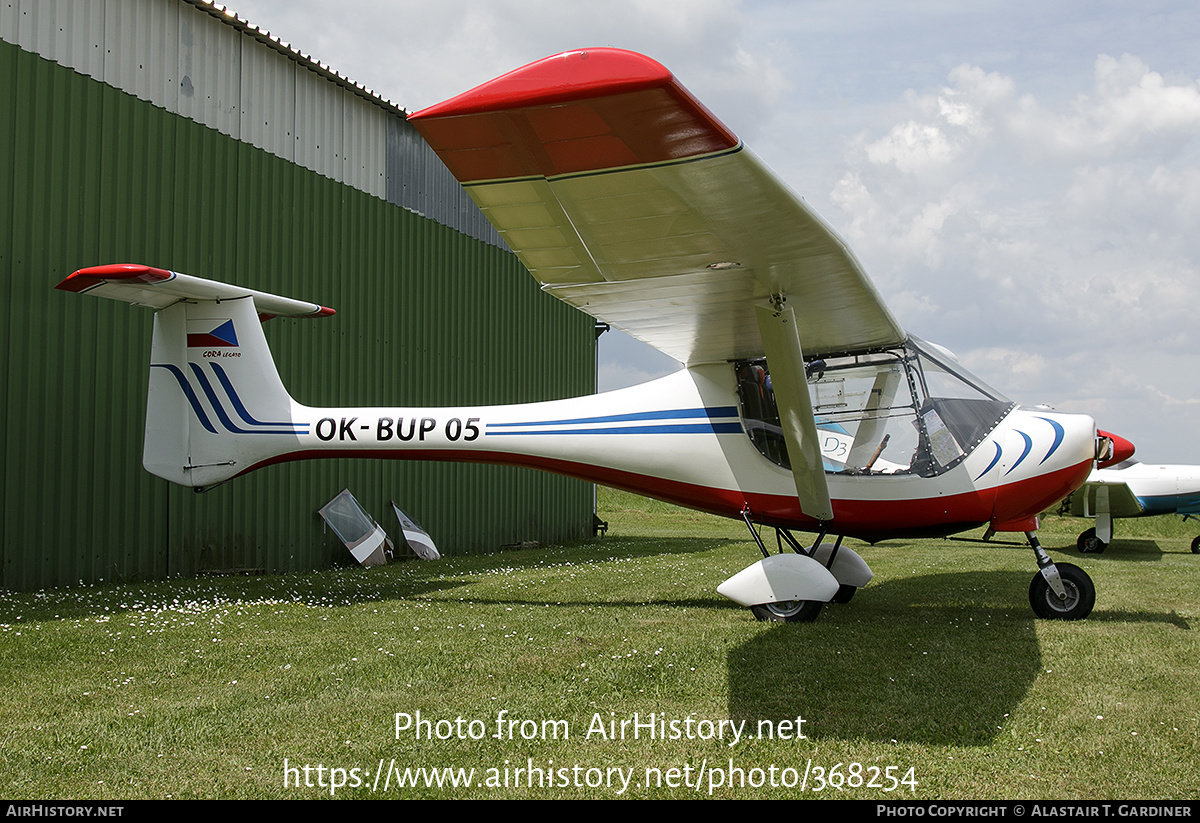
(216, 403)
(219, 409)
(188, 393)
(1059, 433)
(995, 460)
(240, 408)
(1028, 448)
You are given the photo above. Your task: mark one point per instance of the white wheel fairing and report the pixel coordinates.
(848, 567)
(780, 578)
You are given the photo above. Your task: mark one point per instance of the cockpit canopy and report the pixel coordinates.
(909, 410)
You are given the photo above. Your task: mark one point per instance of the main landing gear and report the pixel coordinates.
(792, 611)
(1089, 543)
(793, 587)
(1059, 591)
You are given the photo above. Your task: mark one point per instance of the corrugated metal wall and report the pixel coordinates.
(91, 174)
(189, 58)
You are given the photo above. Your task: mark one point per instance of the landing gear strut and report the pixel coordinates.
(1059, 591)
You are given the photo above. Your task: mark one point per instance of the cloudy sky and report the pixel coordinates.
(1020, 179)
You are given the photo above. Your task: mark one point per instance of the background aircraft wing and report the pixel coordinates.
(628, 199)
(1112, 496)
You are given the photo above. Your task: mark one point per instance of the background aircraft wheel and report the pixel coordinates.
(1088, 543)
(844, 593)
(789, 611)
(1081, 595)
(1196, 545)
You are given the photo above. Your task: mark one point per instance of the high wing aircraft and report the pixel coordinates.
(803, 405)
(1133, 489)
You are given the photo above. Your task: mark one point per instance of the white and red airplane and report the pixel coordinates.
(803, 405)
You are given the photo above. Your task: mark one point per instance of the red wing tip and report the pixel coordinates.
(84, 279)
(325, 312)
(571, 75)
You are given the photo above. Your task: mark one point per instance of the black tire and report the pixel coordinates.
(789, 611)
(1081, 595)
(1196, 545)
(1089, 543)
(844, 593)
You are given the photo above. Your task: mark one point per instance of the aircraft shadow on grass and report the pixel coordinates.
(1131, 549)
(899, 664)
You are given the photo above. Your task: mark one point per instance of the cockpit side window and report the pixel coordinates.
(867, 416)
(895, 412)
(864, 408)
(759, 412)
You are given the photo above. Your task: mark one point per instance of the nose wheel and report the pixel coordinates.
(1078, 596)
(1059, 591)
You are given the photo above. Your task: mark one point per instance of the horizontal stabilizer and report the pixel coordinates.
(215, 404)
(159, 288)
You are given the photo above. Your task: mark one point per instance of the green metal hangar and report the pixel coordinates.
(168, 133)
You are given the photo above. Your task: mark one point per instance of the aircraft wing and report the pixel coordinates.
(628, 199)
(1098, 494)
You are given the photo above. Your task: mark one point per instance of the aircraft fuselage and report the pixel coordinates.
(683, 439)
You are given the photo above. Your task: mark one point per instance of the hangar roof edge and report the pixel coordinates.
(231, 18)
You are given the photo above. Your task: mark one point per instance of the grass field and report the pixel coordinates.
(516, 670)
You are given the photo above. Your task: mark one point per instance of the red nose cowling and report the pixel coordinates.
(1122, 449)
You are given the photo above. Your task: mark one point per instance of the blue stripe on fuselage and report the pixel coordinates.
(717, 420)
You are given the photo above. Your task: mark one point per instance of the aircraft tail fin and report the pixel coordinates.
(216, 405)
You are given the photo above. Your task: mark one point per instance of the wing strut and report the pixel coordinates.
(785, 362)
